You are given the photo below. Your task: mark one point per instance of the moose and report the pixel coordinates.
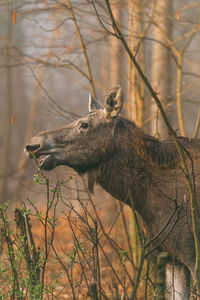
(135, 168)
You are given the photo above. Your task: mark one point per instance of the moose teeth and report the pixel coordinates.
(42, 158)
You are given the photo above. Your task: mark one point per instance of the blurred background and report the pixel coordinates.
(53, 53)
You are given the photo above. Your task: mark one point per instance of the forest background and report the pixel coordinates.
(52, 54)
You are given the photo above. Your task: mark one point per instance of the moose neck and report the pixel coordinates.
(117, 178)
(124, 174)
(128, 173)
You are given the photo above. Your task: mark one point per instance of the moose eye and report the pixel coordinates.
(84, 125)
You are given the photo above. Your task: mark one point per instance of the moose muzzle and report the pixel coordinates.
(36, 149)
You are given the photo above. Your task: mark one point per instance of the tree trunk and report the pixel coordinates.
(29, 132)
(8, 124)
(136, 85)
(115, 78)
(161, 64)
(116, 63)
(162, 260)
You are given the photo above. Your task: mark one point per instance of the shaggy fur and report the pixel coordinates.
(133, 167)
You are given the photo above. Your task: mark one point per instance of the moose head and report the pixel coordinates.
(76, 144)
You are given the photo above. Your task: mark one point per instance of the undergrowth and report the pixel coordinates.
(70, 255)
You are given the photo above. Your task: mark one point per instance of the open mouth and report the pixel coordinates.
(45, 161)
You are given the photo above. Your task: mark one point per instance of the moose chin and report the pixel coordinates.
(133, 167)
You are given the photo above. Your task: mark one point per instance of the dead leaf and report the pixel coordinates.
(58, 32)
(12, 119)
(14, 17)
(178, 15)
(68, 49)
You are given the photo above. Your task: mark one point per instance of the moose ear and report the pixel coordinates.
(114, 101)
(93, 104)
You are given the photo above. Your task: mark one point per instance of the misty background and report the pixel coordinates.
(53, 53)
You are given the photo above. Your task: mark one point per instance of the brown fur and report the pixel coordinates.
(132, 166)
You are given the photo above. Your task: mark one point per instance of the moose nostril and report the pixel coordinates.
(32, 147)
